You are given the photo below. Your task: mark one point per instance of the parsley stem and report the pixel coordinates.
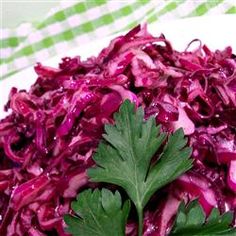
(140, 221)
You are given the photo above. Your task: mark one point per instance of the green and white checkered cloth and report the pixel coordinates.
(74, 23)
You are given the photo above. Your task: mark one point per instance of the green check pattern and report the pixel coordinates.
(80, 22)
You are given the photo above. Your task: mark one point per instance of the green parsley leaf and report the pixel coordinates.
(100, 213)
(191, 221)
(125, 159)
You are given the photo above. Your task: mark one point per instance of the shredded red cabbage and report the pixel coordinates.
(47, 141)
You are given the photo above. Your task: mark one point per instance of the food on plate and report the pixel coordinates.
(49, 140)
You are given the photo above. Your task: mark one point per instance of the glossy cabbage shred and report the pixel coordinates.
(52, 131)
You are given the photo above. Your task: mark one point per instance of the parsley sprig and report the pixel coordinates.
(191, 220)
(125, 158)
(100, 213)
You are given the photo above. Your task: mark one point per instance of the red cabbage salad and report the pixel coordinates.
(48, 140)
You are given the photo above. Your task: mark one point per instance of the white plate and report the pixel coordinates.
(216, 32)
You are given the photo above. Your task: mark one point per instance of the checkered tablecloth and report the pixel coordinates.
(74, 23)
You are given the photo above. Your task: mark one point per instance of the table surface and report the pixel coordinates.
(30, 11)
